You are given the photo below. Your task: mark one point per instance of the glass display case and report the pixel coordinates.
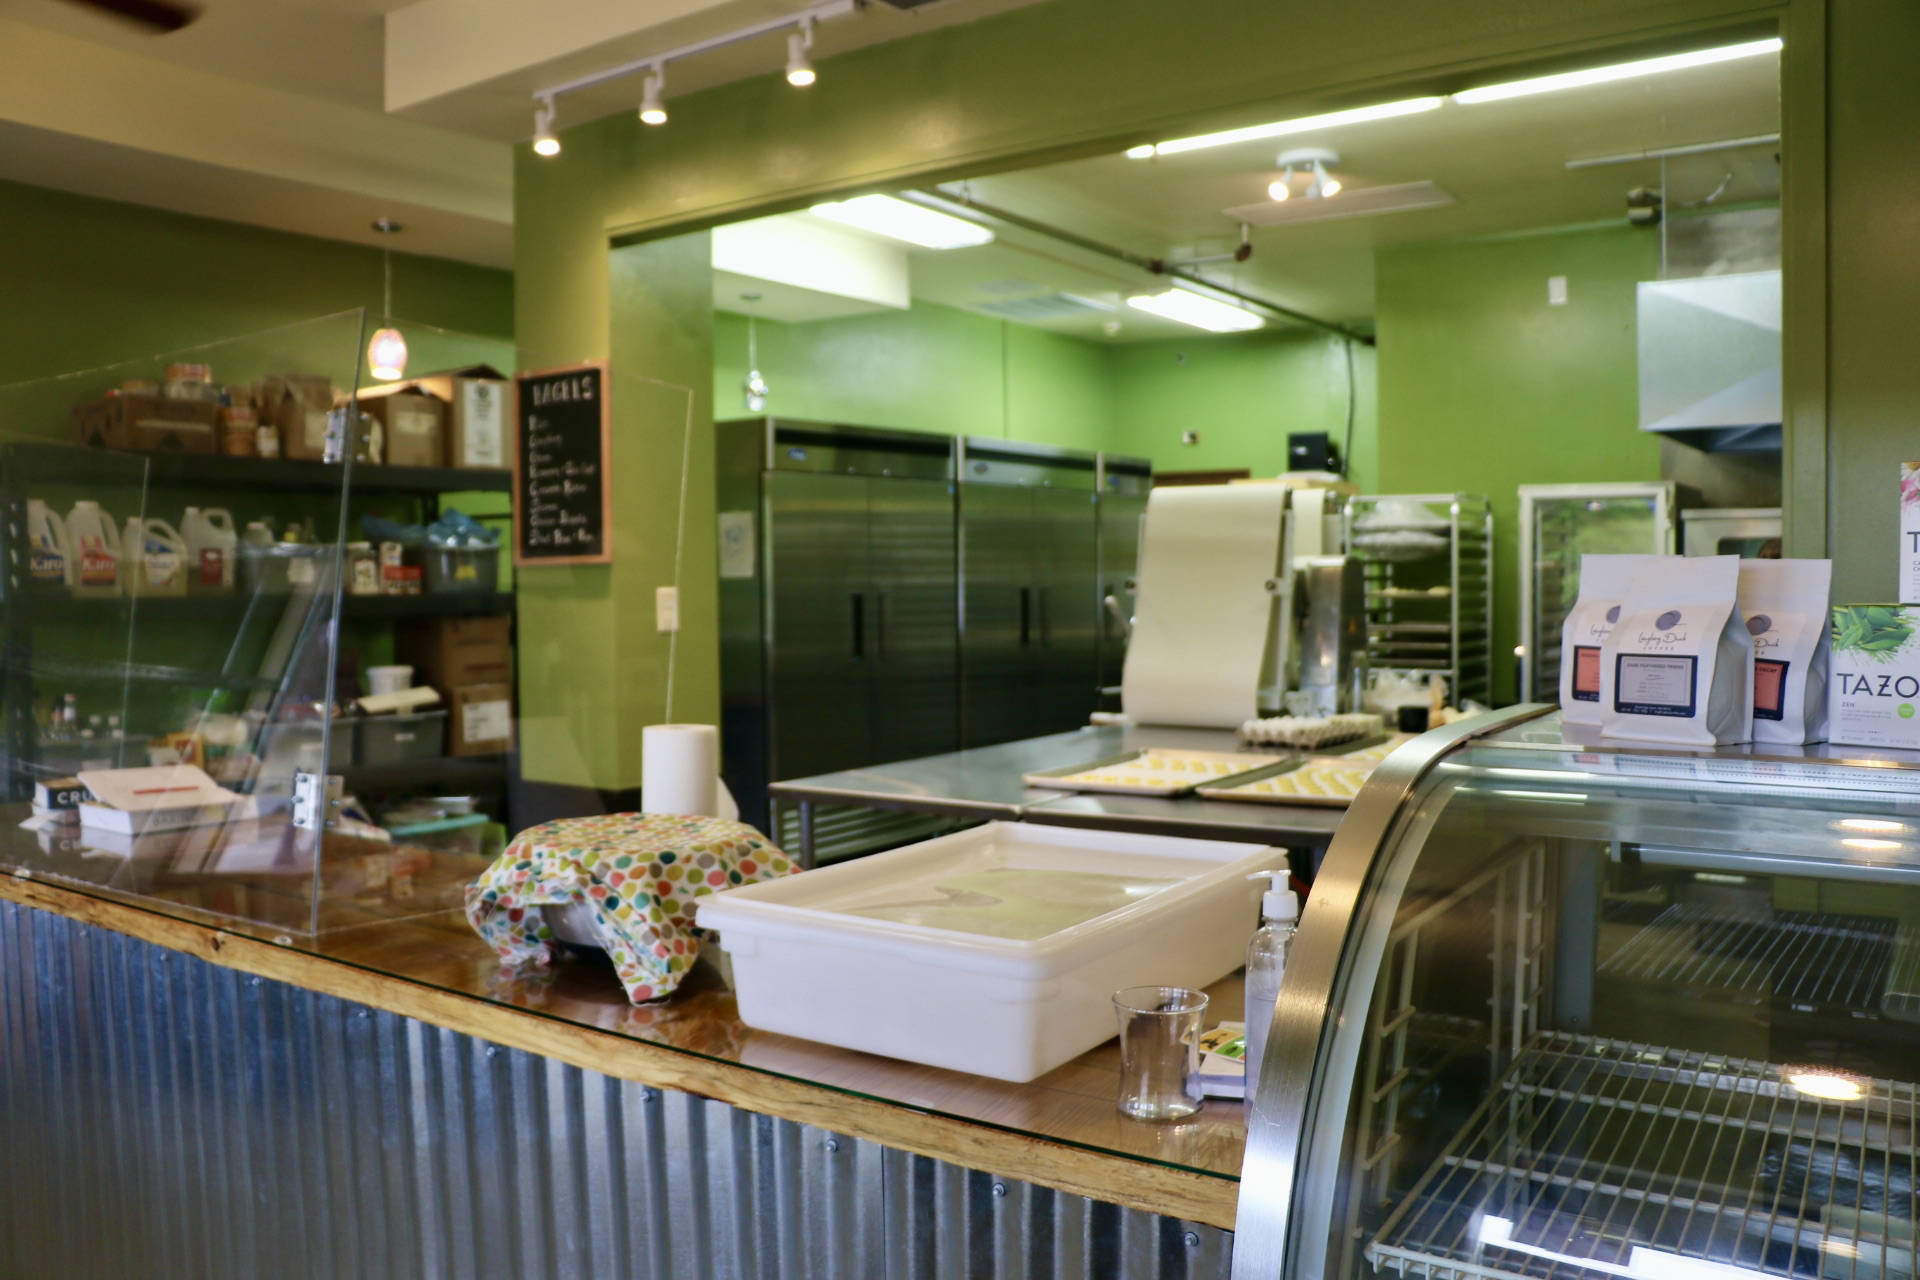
(180, 544)
(1559, 523)
(1571, 1010)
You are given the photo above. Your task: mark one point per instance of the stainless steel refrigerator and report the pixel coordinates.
(838, 607)
(1030, 590)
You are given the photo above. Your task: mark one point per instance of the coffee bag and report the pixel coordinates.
(1678, 666)
(1786, 604)
(1603, 584)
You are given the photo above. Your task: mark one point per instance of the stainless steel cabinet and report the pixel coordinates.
(1577, 1010)
(1029, 567)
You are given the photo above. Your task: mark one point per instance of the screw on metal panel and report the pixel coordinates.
(253, 982)
(1193, 1239)
(999, 1188)
(493, 1051)
(361, 1013)
(833, 1144)
(648, 1095)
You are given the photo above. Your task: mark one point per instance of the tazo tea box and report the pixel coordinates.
(1874, 696)
(1910, 533)
(1678, 666)
(1603, 584)
(1786, 604)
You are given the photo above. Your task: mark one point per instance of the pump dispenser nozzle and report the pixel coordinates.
(1279, 902)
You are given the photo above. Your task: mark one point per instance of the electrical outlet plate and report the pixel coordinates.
(666, 608)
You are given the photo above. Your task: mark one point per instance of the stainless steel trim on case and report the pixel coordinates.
(1284, 1112)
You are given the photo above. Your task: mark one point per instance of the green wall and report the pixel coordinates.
(1244, 394)
(931, 368)
(940, 369)
(1484, 387)
(90, 282)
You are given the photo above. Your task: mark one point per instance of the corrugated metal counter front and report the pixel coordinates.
(185, 1098)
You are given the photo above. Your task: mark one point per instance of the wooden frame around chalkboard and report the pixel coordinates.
(520, 557)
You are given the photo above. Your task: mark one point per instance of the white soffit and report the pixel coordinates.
(810, 270)
(1352, 202)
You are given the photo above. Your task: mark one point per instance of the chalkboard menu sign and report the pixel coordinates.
(562, 494)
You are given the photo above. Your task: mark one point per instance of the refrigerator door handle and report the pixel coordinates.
(1026, 615)
(858, 600)
(881, 600)
(1046, 616)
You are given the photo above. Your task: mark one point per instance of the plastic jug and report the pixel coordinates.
(51, 552)
(212, 547)
(156, 558)
(96, 550)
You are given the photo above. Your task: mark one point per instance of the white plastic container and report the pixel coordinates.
(156, 558)
(212, 548)
(50, 550)
(995, 951)
(96, 550)
(391, 679)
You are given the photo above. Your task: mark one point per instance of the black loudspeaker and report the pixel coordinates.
(1311, 451)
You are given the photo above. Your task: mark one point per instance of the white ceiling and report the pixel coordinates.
(1505, 164)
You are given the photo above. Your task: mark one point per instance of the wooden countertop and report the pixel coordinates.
(1061, 1130)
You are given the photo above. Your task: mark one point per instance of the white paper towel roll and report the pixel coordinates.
(1200, 617)
(680, 769)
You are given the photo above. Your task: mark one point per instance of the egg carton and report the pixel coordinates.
(1310, 731)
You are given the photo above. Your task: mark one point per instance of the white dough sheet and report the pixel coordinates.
(1202, 608)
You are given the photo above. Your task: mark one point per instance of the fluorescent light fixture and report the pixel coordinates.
(903, 220)
(653, 105)
(1187, 307)
(1618, 71)
(799, 66)
(1281, 128)
(545, 143)
(1876, 826)
(1830, 1085)
(1142, 152)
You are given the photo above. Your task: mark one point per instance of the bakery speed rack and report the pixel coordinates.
(1429, 586)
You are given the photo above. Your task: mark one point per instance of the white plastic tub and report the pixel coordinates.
(995, 951)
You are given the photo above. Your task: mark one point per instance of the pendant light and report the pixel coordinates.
(387, 353)
(754, 385)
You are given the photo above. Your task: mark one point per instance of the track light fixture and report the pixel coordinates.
(799, 67)
(545, 143)
(1314, 160)
(653, 103)
(798, 28)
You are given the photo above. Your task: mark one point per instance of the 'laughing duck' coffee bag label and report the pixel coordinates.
(1678, 666)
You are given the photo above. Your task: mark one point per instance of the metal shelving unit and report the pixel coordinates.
(1429, 587)
(1597, 1157)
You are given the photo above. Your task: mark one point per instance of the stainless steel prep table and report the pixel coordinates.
(987, 783)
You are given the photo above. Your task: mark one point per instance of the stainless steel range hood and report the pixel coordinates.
(1710, 360)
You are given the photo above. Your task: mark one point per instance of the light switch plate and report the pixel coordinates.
(1556, 291)
(666, 608)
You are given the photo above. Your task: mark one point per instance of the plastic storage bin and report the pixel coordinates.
(995, 951)
(462, 568)
(390, 739)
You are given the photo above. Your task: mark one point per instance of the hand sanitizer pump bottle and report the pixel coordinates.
(1266, 962)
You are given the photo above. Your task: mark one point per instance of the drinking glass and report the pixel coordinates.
(1159, 1051)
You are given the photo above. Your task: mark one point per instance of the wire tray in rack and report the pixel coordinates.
(1595, 1158)
(1806, 958)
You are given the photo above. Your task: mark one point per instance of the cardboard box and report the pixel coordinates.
(1873, 693)
(147, 422)
(450, 653)
(414, 424)
(477, 431)
(1909, 560)
(482, 720)
(298, 404)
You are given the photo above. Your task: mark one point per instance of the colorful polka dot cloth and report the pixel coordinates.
(640, 873)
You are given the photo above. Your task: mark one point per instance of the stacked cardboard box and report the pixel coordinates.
(470, 661)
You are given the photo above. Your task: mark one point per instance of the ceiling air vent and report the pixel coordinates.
(1045, 306)
(1353, 202)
